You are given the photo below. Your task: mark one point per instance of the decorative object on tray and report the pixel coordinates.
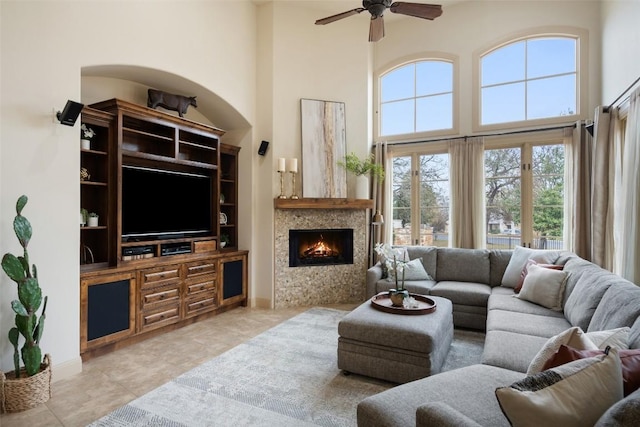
(399, 293)
(413, 304)
(29, 386)
(86, 135)
(179, 103)
(93, 219)
(223, 218)
(84, 174)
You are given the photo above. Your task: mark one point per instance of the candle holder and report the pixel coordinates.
(294, 196)
(281, 196)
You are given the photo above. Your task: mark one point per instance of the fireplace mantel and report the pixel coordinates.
(323, 203)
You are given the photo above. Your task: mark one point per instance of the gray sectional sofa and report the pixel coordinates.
(476, 282)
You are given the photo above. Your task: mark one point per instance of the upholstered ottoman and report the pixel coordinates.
(395, 347)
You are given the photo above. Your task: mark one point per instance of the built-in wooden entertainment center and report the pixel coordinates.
(139, 277)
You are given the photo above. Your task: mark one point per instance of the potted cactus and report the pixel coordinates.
(30, 385)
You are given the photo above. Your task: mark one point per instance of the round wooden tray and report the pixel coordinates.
(383, 303)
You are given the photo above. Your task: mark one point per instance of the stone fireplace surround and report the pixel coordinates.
(327, 284)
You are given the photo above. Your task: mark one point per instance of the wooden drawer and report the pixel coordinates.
(161, 316)
(195, 286)
(204, 246)
(199, 268)
(204, 302)
(149, 298)
(151, 277)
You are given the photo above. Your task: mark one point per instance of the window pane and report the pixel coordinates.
(434, 200)
(503, 197)
(401, 200)
(397, 118)
(551, 97)
(502, 104)
(549, 56)
(433, 77)
(548, 196)
(434, 112)
(504, 65)
(398, 84)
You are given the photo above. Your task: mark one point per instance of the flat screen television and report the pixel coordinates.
(161, 204)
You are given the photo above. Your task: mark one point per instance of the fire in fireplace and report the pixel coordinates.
(320, 247)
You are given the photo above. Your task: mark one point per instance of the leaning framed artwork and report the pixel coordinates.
(323, 145)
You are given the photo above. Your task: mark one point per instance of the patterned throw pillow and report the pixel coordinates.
(575, 394)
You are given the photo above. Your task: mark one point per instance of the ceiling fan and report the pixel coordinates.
(377, 7)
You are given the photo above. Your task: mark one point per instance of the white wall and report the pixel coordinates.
(620, 41)
(44, 46)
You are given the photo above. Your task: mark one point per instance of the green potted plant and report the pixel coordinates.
(93, 219)
(225, 240)
(29, 386)
(362, 169)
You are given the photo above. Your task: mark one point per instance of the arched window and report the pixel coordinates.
(417, 97)
(535, 78)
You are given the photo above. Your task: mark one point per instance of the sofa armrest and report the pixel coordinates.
(439, 414)
(373, 275)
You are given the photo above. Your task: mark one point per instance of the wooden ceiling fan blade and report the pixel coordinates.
(376, 29)
(333, 18)
(419, 10)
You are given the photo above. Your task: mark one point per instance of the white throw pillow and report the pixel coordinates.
(414, 270)
(575, 394)
(572, 337)
(544, 287)
(618, 338)
(519, 259)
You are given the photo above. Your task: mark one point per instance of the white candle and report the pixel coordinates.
(281, 167)
(293, 165)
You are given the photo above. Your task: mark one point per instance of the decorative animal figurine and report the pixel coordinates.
(179, 103)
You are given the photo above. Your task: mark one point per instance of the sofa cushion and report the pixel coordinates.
(523, 323)
(463, 265)
(518, 260)
(466, 293)
(428, 254)
(498, 260)
(522, 349)
(625, 412)
(500, 301)
(586, 388)
(620, 306)
(469, 390)
(629, 361)
(572, 337)
(440, 414)
(618, 338)
(585, 287)
(414, 270)
(543, 286)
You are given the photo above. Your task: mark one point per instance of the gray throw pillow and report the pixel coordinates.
(519, 259)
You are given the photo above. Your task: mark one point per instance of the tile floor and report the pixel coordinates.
(110, 381)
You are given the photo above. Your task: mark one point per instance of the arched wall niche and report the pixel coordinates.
(130, 83)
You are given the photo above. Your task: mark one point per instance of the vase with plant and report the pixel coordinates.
(225, 240)
(395, 266)
(92, 219)
(362, 169)
(30, 385)
(86, 135)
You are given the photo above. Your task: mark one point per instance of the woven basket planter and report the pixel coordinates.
(20, 394)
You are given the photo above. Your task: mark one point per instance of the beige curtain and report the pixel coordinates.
(381, 191)
(578, 180)
(628, 202)
(603, 189)
(467, 204)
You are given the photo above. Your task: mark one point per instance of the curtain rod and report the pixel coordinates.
(513, 132)
(626, 91)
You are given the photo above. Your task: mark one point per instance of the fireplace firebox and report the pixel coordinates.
(320, 247)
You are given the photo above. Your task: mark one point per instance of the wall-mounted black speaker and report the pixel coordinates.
(263, 148)
(70, 114)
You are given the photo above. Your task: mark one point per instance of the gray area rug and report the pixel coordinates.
(286, 376)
